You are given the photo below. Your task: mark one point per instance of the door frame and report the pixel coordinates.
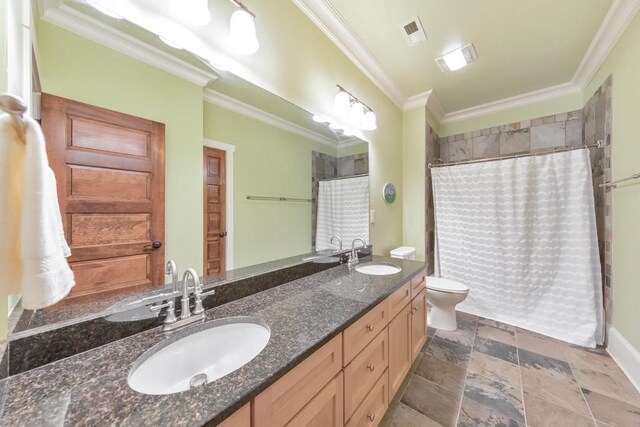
(229, 150)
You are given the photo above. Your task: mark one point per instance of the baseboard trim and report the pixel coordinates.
(625, 355)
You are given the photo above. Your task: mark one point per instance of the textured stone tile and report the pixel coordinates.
(495, 369)
(573, 115)
(541, 413)
(496, 324)
(552, 367)
(462, 336)
(476, 133)
(548, 136)
(437, 403)
(537, 122)
(496, 334)
(443, 373)
(514, 142)
(540, 344)
(612, 411)
(444, 152)
(473, 414)
(525, 124)
(405, 383)
(574, 133)
(346, 166)
(548, 119)
(497, 349)
(485, 146)
(611, 385)
(450, 352)
(561, 117)
(597, 359)
(499, 397)
(561, 392)
(460, 150)
(401, 415)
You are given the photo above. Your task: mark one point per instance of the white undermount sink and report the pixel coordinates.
(199, 355)
(378, 269)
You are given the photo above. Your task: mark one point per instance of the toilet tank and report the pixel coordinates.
(404, 252)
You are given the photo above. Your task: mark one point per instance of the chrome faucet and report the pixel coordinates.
(186, 292)
(172, 270)
(353, 258)
(335, 236)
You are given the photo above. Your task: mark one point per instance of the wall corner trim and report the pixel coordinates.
(625, 355)
(71, 20)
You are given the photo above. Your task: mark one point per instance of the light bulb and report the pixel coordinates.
(334, 126)
(349, 132)
(242, 33)
(193, 12)
(341, 103)
(104, 10)
(356, 113)
(170, 43)
(369, 121)
(319, 119)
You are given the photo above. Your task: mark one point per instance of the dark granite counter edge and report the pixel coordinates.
(251, 394)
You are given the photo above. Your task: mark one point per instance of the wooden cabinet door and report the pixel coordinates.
(418, 323)
(240, 418)
(215, 202)
(400, 349)
(109, 169)
(325, 409)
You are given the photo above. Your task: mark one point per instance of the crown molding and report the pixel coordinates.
(328, 19)
(618, 18)
(213, 97)
(427, 99)
(416, 101)
(59, 14)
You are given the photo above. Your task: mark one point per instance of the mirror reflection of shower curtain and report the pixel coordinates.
(521, 233)
(343, 210)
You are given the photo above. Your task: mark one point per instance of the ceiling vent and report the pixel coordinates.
(468, 51)
(413, 32)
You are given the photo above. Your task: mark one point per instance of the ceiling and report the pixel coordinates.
(522, 45)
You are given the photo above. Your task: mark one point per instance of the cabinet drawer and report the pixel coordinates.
(373, 407)
(365, 329)
(240, 418)
(278, 404)
(364, 370)
(325, 409)
(418, 283)
(399, 299)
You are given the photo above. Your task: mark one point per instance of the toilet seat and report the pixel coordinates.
(445, 285)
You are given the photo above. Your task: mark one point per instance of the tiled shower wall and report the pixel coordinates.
(325, 166)
(433, 152)
(571, 129)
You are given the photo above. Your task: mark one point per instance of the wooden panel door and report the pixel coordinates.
(418, 323)
(109, 169)
(400, 357)
(240, 418)
(325, 409)
(215, 201)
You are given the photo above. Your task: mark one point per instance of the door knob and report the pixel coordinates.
(155, 245)
(222, 234)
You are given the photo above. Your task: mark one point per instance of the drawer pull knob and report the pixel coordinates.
(414, 309)
(369, 326)
(371, 417)
(371, 367)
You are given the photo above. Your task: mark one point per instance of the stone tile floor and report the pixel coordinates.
(489, 373)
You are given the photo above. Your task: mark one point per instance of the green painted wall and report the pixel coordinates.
(3, 89)
(624, 63)
(268, 161)
(561, 105)
(77, 68)
(353, 149)
(413, 178)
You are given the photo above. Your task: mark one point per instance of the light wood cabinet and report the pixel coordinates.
(363, 372)
(373, 407)
(399, 299)
(418, 283)
(400, 349)
(240, 418)
(418, 323)
(279, 403)
(358, 335)
(325, 409)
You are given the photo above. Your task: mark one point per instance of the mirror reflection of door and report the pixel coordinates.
(109, 168)
(215, 221)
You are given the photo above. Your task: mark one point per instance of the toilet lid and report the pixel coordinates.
(446, 285)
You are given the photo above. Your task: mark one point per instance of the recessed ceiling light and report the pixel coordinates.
(102, 9)
(458, 58)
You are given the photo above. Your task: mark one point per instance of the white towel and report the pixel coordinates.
(33, 249)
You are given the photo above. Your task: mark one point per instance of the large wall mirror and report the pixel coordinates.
(225, 177)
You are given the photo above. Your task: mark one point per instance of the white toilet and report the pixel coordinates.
(443, 296)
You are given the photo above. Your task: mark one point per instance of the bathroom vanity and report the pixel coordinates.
(341, 345)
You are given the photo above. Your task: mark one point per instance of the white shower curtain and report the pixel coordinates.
(521, 233)
(343, 209)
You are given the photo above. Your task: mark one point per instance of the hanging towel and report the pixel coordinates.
(33, 249)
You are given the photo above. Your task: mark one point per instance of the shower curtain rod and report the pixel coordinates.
(599, 144)
(344, 177)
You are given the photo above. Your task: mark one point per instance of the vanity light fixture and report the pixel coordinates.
(358, 114)
(457, 58)
(193, 12)
(103, 9)
(170, 43)
(319, 119)
(242, 30)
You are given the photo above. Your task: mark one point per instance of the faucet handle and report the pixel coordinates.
(171, 315)
(198, 300)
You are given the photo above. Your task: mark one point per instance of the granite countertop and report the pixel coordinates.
(91, 388)
(34, 322)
